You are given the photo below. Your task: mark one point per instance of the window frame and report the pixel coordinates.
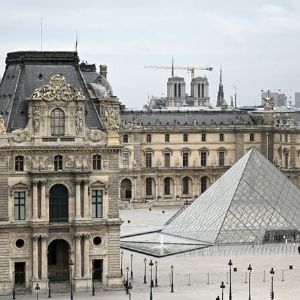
(125, 162)
(58, 162)
(148, 186)
(148, 138)
(97, 162)
(185, 159)
(251, 137)
(167, 138)
(167, 186)
(96, 203)
(185, 137)
(125, 138)
(19, 163)
(57, 123)
(148, 159)
(221, 137)
(221, 155)
(203, 162)
(203, 137)
(20, 207)
(167, 159)
(185, 185)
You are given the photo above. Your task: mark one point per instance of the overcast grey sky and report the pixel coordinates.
(256, 41)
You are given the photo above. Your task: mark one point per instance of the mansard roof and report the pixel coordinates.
(27, 70)
(200, 117)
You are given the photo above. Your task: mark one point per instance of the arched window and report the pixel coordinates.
(57, 122)
(58, 162)
(186, 185)
(96, 162)
(19, 163)
(203, 184)
(167, 182)
(58, 203)
(149, 190)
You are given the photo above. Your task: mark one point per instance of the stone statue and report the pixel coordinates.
(79, 121)
(36, 119)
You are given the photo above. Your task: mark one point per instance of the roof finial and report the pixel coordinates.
(76, 43)
(220, 74)
(172, 67)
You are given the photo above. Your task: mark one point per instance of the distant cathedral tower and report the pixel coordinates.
(220, 98)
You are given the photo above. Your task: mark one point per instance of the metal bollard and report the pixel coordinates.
(189, 280)
(282, 275)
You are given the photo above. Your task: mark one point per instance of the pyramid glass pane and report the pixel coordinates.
(253, 202)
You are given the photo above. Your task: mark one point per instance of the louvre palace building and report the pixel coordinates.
(72, 155)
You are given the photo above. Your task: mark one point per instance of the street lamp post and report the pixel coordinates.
(37, 290)
(249, 269)
(131, 271)
(71, 279)
(151, 281)
(127, 270)
(222, 286)
(129, 290)
(93, 282)
(49, 288)
(156, 263)
(145, 278)
(230, 292)
(122, 253)
(172, 279)
(14, 286)
(218, 298)
(272, 272)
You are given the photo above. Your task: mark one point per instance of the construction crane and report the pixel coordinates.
(190, 69)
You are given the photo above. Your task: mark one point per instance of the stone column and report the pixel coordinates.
(44, 257)
(86, 202)
(43, 200)
(78, 256)
(35, 257)
(78, 200)
(86, 256)
(35, 200)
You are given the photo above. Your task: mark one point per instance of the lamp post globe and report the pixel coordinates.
(222, 286)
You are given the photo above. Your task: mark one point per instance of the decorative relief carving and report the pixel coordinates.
(70, 161)
(95, 135)
(20, 135)
(58, 89)
(112, 119)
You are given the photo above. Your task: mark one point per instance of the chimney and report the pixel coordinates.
(103, 70)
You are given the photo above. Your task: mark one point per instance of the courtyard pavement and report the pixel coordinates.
(198, 275)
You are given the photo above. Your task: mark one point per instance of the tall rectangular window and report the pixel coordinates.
(286, 138)
(167, 157)
(97, 203)
(221, 158)
(19, 163)
(185, 137)
(19, 205)
(148, 138)
(148, 160)
(221, 137)
(185, 159)
(96, 162)
(126, 160)
(203, 137)
(149, 186)
(167, 138)
(58, 162)
(125, 138)
(203, 158)
(251, 137)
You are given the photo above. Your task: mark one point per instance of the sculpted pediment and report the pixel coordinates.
(20, 185)
(57, 90)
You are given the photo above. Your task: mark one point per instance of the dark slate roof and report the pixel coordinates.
(26, 71)
(201, 117)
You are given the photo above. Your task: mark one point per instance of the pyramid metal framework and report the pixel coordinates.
(253, 202)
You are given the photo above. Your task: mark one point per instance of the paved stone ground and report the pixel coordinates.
(197, 276)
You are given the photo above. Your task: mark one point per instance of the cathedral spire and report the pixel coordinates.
(220, 98)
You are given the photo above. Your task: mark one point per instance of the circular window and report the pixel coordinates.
(97, 241)
(20, 243)
(40, 76)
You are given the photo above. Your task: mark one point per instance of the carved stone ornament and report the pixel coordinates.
(2, 125)
(20, 135)
(58, 89)
(268, 104)
(36, 119)
(79, 121)
(95, 135)
(112, 120)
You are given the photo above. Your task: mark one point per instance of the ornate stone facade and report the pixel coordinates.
(58, 198)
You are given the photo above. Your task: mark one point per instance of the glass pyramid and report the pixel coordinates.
(253, 202)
